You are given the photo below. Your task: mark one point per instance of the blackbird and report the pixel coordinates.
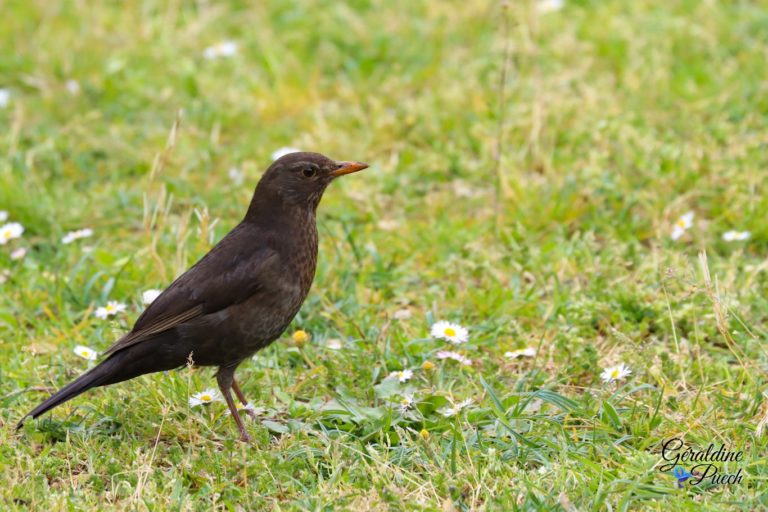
(238, 298)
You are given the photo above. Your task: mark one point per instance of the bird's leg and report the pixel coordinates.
(241, 397)
(238, 392)
(226, 377)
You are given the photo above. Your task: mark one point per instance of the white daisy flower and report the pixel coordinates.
(86, 353)
(222, 49)
(334, 344)
(402, 314)
(736, 236)
(149, 296)
(76, 235)
(523, 352)
(5, 97)
(455, 408)
(10, 231)
(683, 224)
(19, 253)
(72, 87)
(283, 151)
(450, 332)
(406, 403)
(236, 175)
(545, 6)
(249, 407)
(446, 354)
(3, 215)
(613, 373)
(402, 376)
(205, 397)
(111, 309)
(388, 224)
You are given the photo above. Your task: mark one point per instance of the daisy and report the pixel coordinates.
(149, 296)
(403, 375)
(683, 224)
(446, 354)
(450, 332)
(111, 309)
(248, 408)
(283, 151)
(523, 352)
(736, 236)
(236, 175)
(204, 397)
(222, 49)
(613, 373)
(19, 253)
(545, 6)
(5, 97)
(76, 235)
(72, 87)
(3, 215)
(455, 408)
(86, 353)
(406, 403)
(402, 314)
(334, 344)
(427, 366)
(10, 231)
(388, 224)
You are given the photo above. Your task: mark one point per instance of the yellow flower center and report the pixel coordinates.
(405, 402)
(7, 233)
(615, 373)
(450, 331)
(84, 353)
(110, 308)
(681, 223)
(206, 398)
(424, 433)
(428, 365)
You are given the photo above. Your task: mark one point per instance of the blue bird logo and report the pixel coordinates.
(681, 474)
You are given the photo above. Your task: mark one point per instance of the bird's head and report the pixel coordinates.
(300, 178)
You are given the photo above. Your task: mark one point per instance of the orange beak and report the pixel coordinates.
(348, 168)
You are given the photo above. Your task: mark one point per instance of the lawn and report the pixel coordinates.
(561, 180)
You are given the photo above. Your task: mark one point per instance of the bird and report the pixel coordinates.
(235, 300)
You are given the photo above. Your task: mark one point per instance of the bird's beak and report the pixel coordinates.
(348, 168)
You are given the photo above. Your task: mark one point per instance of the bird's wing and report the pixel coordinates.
(229, 274)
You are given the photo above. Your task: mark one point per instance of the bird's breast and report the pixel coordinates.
(268, 315)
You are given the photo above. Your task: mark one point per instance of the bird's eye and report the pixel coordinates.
(308, 172)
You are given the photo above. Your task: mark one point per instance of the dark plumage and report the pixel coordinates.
(238, 298)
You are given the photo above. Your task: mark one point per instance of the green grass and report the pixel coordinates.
(618, 117)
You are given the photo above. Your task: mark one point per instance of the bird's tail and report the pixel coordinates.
(95, 377)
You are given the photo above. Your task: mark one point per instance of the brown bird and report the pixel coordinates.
(238, 298)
